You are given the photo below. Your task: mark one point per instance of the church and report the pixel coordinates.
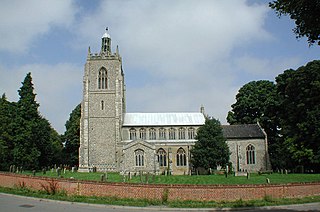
(113, 140)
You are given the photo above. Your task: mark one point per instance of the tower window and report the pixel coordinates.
(103, 79)
(181, 157)
(250, 150)
(102, 105)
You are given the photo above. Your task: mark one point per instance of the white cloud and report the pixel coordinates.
(186, 44)
(265, 68)
(58, 88)
(23, 21)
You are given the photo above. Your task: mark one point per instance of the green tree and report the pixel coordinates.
(36, 143)
(258, 101)
(47, 141)
(299, 93)
(306, 16)
(7, 117)
(210, 149)
(25, 152)
(252, 102)
(72, 137)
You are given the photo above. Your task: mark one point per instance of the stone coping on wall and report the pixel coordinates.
(62, 179)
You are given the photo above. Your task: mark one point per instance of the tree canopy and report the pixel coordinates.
(299, 96)
(288, 111)
(306, 16)
(71, 137)
(26, 138)
(210, 149)
(252, 102)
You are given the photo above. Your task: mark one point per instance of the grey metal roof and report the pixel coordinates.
(242, 131)
(163, 119)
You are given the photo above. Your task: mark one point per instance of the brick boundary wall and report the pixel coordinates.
(171, 192)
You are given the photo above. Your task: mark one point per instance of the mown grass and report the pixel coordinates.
(267, 201)
(274, 178)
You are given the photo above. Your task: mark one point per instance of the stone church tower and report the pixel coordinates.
(102, 109)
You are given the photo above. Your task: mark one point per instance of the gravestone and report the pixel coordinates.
(59, 171)
(102, 177)
(267, 180)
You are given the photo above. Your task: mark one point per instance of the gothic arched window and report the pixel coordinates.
(162, 134)
(133, 134)
(139, 156)
(182, 133)
(152, 134)
(181, 157)
(191, 133)
(251, 158)
(172, 134)
(102, 79)
(162, 157)
(142, 133)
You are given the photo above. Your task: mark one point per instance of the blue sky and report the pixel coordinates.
(177, 55)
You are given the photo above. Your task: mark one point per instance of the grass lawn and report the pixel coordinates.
(194, 179)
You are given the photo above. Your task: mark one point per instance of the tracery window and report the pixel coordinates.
(162, 134)
(162, 157)
(142, 133)
(181, 157)
(172, 134)
(152, 134)
(102, 79)
(250, 150)
(182, 133)
(191, 133)
(139, 156)
(133, 134)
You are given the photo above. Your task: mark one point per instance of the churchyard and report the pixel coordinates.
(214, 179)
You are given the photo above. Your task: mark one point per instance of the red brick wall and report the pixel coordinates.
(175, 192)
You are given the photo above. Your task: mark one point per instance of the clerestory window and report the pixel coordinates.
(142, 132)
(172, 134)
(152, 134)
(133, 134)
(162, 134)
(191, 133)
(182, 133)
